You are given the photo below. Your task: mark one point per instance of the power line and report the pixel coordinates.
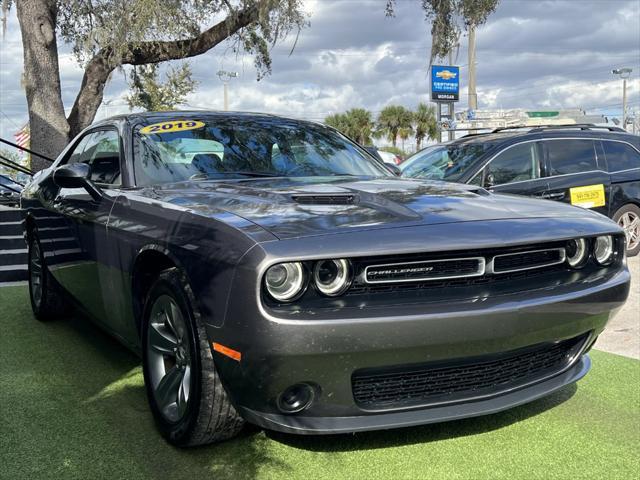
(8, 118)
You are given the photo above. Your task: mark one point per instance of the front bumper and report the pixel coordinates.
(381, 421)
(325, 348)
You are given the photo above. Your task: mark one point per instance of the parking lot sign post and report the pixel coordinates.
(445, 89)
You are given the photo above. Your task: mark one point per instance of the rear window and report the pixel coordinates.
(620, 156)
(571, 156)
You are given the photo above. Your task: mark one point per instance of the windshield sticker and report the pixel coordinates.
(173, 126)
(588, 197)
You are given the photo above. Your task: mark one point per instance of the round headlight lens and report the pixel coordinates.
(603, 250)
(576, 252)
(332, 277)
(285, 281)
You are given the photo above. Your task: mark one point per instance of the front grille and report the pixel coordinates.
(511, 262)
(457, 380)
(445, 270)
(427, 270)
(502, 279)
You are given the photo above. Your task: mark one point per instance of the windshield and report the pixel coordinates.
(444, 162)
(225, 148)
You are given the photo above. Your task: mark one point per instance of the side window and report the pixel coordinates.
(516, 164)
(77, 152)
(571, 156)
(477, 180)
(101, 150)
(620, 156)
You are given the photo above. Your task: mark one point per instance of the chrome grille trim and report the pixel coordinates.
(561, 259)
(478, 273)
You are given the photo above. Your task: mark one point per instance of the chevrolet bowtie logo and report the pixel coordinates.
(446, 74)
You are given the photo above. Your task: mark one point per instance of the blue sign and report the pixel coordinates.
(445, 83)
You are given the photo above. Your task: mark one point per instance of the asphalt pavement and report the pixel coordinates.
(622, 335)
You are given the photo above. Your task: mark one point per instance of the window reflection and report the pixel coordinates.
(234, 148)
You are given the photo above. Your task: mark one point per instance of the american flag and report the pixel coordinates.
(23, 137)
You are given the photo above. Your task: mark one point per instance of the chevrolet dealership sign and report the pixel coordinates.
(445, 83)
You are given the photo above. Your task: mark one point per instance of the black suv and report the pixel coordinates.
(585, 165)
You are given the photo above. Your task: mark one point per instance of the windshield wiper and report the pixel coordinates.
(202, 176)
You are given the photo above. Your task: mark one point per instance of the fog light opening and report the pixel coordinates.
(296, 398)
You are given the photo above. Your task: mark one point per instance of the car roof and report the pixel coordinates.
(502, 135)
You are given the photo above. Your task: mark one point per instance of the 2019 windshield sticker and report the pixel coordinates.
(172, 126)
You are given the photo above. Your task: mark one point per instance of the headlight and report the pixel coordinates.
(285, 281)
(576, 252)
(603, 250)
(332, 277)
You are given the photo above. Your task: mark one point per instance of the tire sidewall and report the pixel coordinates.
(169, 283)
(616, 217)
(37, 309)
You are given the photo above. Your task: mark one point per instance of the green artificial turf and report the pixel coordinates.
(72, 405)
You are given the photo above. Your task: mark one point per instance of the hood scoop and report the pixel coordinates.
(325, 199)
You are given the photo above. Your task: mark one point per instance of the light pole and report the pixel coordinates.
(224, 77)
(623, 73)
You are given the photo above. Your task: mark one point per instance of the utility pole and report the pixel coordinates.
(624, 74)
(224, 77)
(473, 96)
(451, 105)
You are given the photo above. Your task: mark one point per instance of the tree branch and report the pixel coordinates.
(99, 68)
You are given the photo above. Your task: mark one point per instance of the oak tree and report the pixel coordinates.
(449, 18)
(154, 95)
(105, 35)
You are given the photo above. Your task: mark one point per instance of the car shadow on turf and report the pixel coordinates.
(424, 433)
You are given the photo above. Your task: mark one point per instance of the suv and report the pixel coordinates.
(585, 165)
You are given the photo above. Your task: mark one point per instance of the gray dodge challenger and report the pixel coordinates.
(271, 271)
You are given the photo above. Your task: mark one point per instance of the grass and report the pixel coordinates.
(72, 405)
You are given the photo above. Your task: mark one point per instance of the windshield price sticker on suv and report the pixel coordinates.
(588, 197)
(173, 126)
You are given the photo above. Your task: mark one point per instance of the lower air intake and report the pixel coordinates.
(457, 380)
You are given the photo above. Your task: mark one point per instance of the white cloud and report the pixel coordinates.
(531, 54)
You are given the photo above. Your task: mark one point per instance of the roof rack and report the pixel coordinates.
(581, 126)
(541, 128)
(513, 127)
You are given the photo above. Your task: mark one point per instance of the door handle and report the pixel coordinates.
(553, 196)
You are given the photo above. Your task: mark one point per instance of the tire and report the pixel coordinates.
(47, 299)
(624, 217)
(179, 365)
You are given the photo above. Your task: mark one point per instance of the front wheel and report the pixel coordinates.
(188, 402)
(47, 299)
(628, 217)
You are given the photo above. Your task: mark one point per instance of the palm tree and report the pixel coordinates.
(355, 124)
(404, 133)
(391, 120)
(425, 124)
(360, 125)
(337, 121)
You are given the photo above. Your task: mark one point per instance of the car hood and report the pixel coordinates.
(300, 207)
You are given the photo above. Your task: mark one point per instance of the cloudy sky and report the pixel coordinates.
(534, 54)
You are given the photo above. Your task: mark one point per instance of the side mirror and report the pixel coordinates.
(394, 169)
(76, 175)
(489, 180)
